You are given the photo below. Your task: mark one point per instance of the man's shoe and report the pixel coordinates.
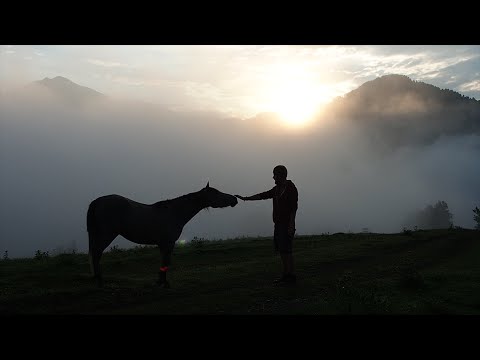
(281, 279)
(286, 279)
(291, 279)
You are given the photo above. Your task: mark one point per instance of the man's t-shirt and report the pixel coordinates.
(284, 202)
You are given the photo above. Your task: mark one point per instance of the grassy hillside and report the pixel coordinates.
(421, 272)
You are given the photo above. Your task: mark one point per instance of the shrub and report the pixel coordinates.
(116, 249)
(476, 217)
(40, 255)
(198, 243)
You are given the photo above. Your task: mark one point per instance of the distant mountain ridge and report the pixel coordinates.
(387, 88)
(66, 89)
(394, 111)
(391, 111)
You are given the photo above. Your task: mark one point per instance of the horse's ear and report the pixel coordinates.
(208, 185)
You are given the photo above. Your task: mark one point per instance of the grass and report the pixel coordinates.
(419, 272)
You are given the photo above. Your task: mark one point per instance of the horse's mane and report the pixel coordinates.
(178, 201)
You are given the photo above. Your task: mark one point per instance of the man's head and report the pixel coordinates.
(279, 174)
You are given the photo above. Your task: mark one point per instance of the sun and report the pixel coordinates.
(295, 104)
(294, 95)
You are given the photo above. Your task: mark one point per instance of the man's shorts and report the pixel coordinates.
(281, 239)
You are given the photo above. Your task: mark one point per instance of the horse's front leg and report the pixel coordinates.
(165, 263)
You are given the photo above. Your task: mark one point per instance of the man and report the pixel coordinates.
(285, 205)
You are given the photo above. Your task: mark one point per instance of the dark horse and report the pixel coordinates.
(159, 224)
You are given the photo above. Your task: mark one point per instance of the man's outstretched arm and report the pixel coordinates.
(260, 196)
(253, 197)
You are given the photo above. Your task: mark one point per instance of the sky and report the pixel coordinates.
(54, 160)
(294, 81)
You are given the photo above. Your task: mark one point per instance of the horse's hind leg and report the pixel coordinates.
(97, 245)
(166, 260)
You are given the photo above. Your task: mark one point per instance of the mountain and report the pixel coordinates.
(390, 111)
(64, 89)
(394, 111)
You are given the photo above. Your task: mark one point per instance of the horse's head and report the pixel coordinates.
(217, 199)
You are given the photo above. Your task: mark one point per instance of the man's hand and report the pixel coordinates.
(240, 197)
(291, 230)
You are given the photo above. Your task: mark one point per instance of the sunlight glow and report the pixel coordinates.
(294, 93)
(296, 104)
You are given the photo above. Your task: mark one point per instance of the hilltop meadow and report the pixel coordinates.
(411, 272)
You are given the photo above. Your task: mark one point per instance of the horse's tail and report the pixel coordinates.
(91, 225)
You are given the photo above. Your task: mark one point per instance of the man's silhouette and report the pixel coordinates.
(285, 204)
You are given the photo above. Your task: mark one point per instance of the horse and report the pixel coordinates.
(160, 223)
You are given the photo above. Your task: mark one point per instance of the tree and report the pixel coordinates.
(436, 216)
(476, 217)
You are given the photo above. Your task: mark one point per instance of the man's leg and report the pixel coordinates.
(285, 263)
(283, 243)
(289, 263)
(288, 259)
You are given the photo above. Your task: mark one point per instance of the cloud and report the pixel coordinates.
(202, 91)
(107, 63)
(471, 86)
